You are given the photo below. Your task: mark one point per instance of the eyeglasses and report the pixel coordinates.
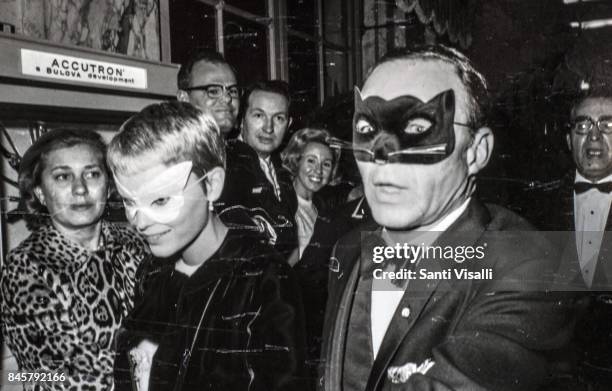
(584, 124)
(216, 91)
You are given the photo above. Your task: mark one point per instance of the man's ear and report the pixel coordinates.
(479, 152)
(241, 129)
(38, 193)
(568, 139)
(214, 183)
(289, 122)
(182, 96)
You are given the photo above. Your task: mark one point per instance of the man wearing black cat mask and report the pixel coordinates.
(419, 138)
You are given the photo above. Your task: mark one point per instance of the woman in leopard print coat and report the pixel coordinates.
(66, 289)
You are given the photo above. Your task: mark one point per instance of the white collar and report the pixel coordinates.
(580, 178)
(450, 218)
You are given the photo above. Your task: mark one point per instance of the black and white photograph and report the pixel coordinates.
(306, 195)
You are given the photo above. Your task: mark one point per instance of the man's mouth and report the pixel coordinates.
(265, 140)
(82, 206)
(594, 153)
(224, 111)
(388, 188)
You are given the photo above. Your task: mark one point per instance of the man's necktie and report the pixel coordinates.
(581, 187)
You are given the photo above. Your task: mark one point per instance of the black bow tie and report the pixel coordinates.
(581, 187)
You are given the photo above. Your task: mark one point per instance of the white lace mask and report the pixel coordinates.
(162, 198)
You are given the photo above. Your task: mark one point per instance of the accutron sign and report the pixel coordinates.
(82, 70)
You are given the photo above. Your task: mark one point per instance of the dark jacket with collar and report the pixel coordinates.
(560, 217)
(246, 186)
(591, 347)
(334, 221)
(242, 312)
(312, 271)
(481, 334)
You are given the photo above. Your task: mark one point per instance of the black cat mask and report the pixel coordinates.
(404, 129)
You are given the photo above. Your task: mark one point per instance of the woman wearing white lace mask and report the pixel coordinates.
(205, 295)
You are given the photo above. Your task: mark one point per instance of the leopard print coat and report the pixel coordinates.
(61, 304)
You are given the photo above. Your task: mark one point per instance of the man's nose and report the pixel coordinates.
(267, 126)
(595, 133)
(384, 145)
(79, 186)
(226, 97)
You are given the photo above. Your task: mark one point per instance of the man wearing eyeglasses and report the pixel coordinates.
(582, 202)
(208, 82)
(590, 141)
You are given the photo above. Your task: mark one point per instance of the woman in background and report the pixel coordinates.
(312, 163)
(66, 288)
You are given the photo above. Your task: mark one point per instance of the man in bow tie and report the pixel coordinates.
(582, 202)
(590, 141)
(420, 138)
(581, 206)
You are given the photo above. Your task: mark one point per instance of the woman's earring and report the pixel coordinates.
(210, 206)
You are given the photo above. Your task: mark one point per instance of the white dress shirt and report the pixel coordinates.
(385, 299)
(591, 210)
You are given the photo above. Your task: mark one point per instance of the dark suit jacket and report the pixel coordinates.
(246, 185)
(589, 357)
(240, 312)
(561, 218)
(481, 334)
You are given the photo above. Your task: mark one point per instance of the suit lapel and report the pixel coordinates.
(466, 230)
(341, 307)
(344, 275)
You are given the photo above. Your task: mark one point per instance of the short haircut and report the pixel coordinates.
(292, 153)
(473, 81)
(206, 55)
(33, 162)
(172, 132)
(279, 87)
